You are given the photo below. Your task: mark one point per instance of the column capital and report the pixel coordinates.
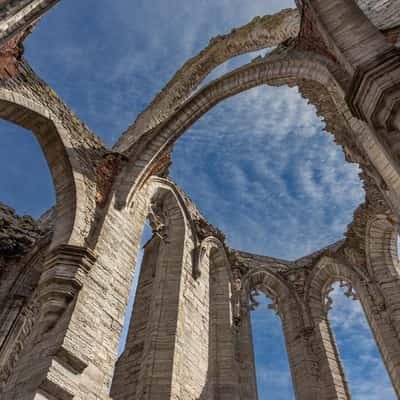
(65, 269)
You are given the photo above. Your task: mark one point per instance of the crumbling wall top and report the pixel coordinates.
(19, 233)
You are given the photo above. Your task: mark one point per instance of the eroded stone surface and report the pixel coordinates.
(17, 233)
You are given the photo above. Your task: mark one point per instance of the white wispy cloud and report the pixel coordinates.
(263, 166)
(119, 55)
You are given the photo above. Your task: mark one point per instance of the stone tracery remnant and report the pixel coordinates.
(158, 220)
(65, 281)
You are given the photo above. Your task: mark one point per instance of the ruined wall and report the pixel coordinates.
(182, 319)
(23, 244)
(63, 293)
(20, 238)
(17, 234)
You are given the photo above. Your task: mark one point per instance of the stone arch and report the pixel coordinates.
(139, 208)
(288, 306)
(268, 282)
(324, 274)
(68, 230)
(284, 68)
(179, 300)
(260, 33)
(59, 153)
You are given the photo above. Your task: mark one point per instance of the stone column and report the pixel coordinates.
(245, 354)
(331, 372)
(130, 363)
(299, 345)
(46, 344)
(223, 367)
(380, 294)
(175, 353)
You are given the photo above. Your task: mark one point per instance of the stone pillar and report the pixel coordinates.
(223, 381)
(44, 350)
(332, 375)
(245, 354)
(299, 346)
(380, 295)
(130, 363)
(179, 317)
(167, 354)
(333, 378)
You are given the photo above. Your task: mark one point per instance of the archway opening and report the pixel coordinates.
(146, 237)
(25, 182)
(135, 319)
(155, 315)
(271, 179)
(120, 85)
(260, 163)
(365, 371)
(27, 196)
(27, 191)
(274, 381)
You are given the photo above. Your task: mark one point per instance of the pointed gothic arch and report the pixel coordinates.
(188, 277)
(287, 67)
(295, 325)
(59, 153)
(260, 33)
(324, 274)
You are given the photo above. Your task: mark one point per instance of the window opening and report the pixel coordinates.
(365, 371)
(25, 182)
(274, 381)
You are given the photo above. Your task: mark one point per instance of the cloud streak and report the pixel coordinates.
(262, 165)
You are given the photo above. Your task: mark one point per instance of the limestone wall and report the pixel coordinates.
(383, 13)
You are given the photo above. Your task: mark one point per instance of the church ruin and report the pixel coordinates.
(65, 279)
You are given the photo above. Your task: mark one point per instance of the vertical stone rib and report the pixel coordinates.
(127, 370)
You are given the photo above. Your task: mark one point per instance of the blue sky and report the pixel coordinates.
(258, 165)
